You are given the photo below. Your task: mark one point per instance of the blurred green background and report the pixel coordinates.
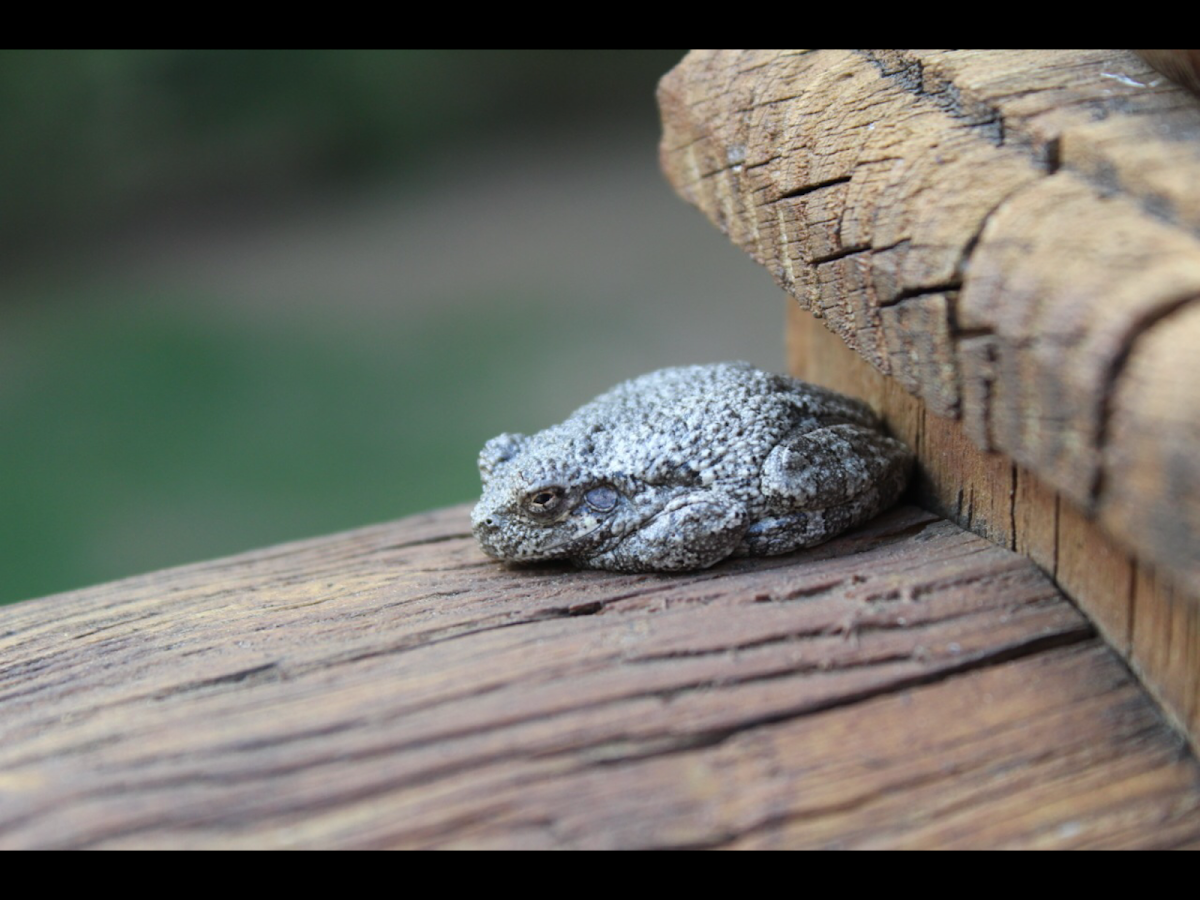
(247, 297)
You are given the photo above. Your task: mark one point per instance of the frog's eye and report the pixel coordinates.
(601, 499)
(545, 500)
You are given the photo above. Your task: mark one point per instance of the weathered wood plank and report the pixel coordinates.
(1142, 614)
(1011, 234)
(1181, 65)
(909, 684)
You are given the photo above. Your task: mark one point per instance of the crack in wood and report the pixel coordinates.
(252, 674)
(854, 630)
(841, 254)
(983, 660)
(943, 94)
(924, 290)
(1044, 151)
(780, 821)
(812, 188)
(1052, 155)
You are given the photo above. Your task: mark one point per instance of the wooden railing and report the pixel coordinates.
(906, 685)
(1009, 241)
(910, 684)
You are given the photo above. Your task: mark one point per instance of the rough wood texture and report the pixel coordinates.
(1012, 235)
(1142, 615)
(908, 685)
(1181, 65)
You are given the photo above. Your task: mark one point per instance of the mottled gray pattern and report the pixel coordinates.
(683, 467)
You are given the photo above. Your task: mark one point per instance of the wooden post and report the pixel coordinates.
(1007, 240)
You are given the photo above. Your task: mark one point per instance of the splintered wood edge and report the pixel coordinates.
(1011, 235)
(906, 685)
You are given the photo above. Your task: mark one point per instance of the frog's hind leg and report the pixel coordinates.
(783, 534)
(822, 482)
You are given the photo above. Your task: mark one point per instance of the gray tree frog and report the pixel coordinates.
(684, 467)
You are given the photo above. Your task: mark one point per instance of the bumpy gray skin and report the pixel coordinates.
(684, 467)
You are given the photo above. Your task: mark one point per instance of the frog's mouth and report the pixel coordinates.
(495, 533)
(569, 546)
(590, 534)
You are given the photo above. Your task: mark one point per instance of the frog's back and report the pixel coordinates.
(719, 421)
(720, 393)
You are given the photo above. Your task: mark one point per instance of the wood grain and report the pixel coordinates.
(1181, 65)
(1012, 235)
(1141, 611)
(909, 684)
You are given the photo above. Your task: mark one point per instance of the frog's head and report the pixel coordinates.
(544, 498)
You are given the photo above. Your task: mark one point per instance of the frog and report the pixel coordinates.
(687, 466)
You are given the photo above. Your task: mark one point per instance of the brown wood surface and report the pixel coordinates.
(907, 685)
(1014, 236)
(1149, 621)
(1181, 65)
